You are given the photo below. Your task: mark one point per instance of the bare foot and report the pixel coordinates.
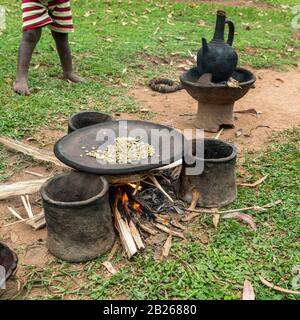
(73, 77)
(21, 87)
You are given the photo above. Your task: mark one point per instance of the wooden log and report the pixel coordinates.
(136, 235)
(21, 188)
(125, 234)
(36, 153)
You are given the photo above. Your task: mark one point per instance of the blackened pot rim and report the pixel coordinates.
(243, 84)
(72, 204)
(70, 122)
(221, 160)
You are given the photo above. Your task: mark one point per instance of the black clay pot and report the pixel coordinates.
(216, 185)
(218, 57)
(8, 263)
(87, 118)
(78, 216)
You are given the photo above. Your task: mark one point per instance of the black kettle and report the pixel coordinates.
(218, 57)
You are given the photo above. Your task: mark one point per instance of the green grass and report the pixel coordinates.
(289, 3)
(113, 36)
(197, 271)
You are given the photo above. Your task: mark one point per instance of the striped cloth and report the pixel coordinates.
(56, 14)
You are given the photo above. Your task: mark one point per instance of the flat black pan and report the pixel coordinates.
(71, 149)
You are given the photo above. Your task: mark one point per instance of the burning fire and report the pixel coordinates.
(129, 205)
(134, 186)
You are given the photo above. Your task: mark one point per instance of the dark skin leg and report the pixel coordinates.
(28, 43)
(64, 52)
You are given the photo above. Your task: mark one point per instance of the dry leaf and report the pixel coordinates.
(243, 217)
(87, 14)
(273, 286)
(216, 220)
(167, 246)
(254, 184)
(109, 267)
(190, 216)
(248, 292)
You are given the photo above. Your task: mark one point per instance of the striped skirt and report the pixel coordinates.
(56, 14)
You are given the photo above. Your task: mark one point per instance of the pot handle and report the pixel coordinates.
(231, 31)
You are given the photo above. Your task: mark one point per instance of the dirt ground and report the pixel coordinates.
(276, 99)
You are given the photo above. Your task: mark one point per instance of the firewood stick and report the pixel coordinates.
(20, 188)
(125, 235)
(136, 189)
(15, 213)
(29, 206)
(26, 206)
(148, 229)
(20, 221)
(258, 208)
(36, 153)
(154, 180)
(34, 173)
(16, 222)
(136, 235)
(167, 230)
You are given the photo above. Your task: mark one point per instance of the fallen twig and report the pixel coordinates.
(15, 213)
(255, 208)
(157, 184)
(274, 287)
(167, 230)
(254, 184)
(34, 173)
(25, 204)
(148, 229)
(29, 206)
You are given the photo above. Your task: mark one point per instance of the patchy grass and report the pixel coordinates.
(194, 270)
(11, 163)
(109, 44)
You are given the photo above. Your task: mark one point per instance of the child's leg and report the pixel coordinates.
(29, 41)
(64, 51)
